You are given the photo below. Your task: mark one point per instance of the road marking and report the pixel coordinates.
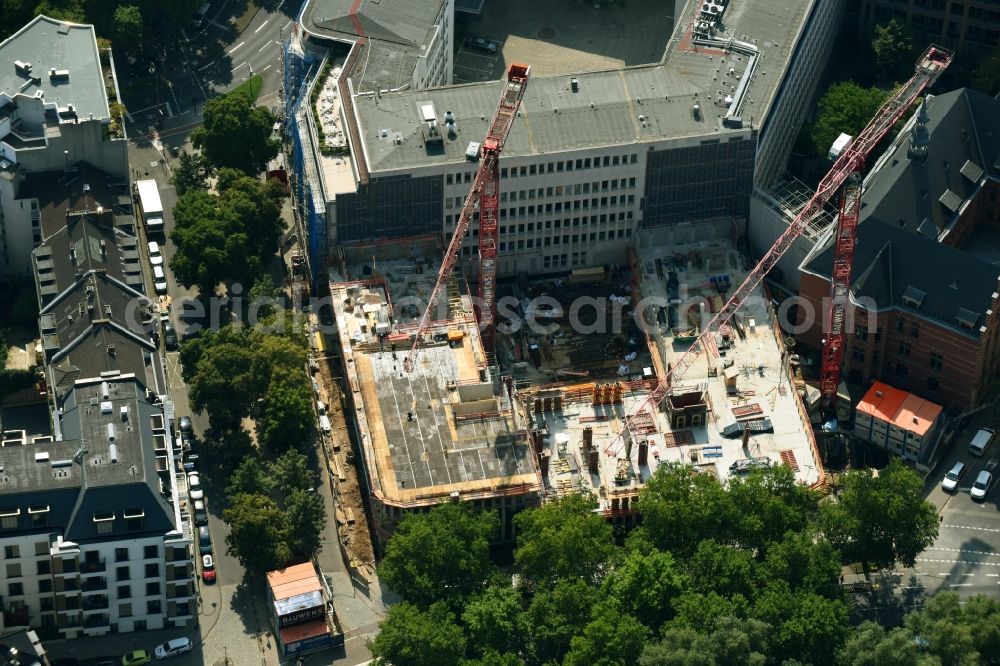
(993, 575)
(976, 562)
(972, 527)
(289, 20)
(960, 585)
(970, 552)
(265, 69)
(261, 27)
(264, 47)
(967, 574)
(239, 65)
(230, 52)
(211, 64)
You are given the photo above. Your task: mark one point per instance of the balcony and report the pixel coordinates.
(68, 604)
(96, 624)
(93, 567)
(95, 603)
(64, 567)
(16, 616)
(175, 592)
(69, 622)
(178, 554)
(92, 585)
(178, 611)
(181, 573)
(71, 586)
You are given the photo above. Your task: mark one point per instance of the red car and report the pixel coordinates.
(207, 569)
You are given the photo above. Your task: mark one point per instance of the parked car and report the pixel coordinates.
(982, 485)
(200, 514)
(950, 481)
(102, 661)
(481, 44)
(155, 257)
(185, 426)
(169, 336)
(207, 569)
(981, 441)
(159, 280)
(136, 658)
(194, 487)
(204, 541)
(173, 648)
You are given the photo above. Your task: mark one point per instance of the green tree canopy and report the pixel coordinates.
(127, 29)
(494, 620)
(680, 509)
(844, 108)
(258, 533)
(305, 514)
(442, 554)
(806, 626)
(731, 642)
(805, 563)
(883, 519)
(769, 503)
(192, 173)
(729, 571)
(871, 645)
(893, 47)
(416, 637)
(646, 584)
(563, 539)
(611, 638)
(287, 421)
(236, 133)
(986, 77)
(556, 614)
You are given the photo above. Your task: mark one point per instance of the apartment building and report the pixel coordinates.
(54, 113)
(926, 284)
(92, 534)
(971, 27)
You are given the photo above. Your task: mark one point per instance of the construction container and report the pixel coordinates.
(592, 461)
(455, 335)
(588, 438)
(643, 452)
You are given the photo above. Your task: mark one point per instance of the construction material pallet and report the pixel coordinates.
(678, 438)
(747, 411)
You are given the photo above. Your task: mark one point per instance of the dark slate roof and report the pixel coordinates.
(964, 136)
(87, 473)
(898, 255)
(83, 188)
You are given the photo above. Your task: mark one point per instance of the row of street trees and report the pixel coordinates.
(747, 573)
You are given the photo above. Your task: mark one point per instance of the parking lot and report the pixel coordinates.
(965, 558)
(587, 38)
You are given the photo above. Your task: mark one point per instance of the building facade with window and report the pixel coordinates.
(972, 27)
(54, 114)
(896, 421)
(926, 282)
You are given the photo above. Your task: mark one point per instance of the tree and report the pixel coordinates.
(415, 637)
(731, 642)
(883, 519)
(893, 47)
(249, 478)
(287, 421)
(257, 207)
(494, 620)
(844, 108)
(258, 533)
(680, 509)
(722, 569)
(695, 609)
(769, 503)
(192, 173)
(945, 630)
(646, 584)
(871, 645)
(291, 471)
(72, 11)
(563, 539)
(223, 384)
(263, 300)
(804, 625)
(236, 133)
(556, 614)
(127, 29)
(611, 638)
(805, 563)
(986, 76)
(441, 554)
(305, 514)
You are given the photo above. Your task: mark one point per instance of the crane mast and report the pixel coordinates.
(929, 67)
(484, 195)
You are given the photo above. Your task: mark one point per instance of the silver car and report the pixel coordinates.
(950, 481)
(982, 485)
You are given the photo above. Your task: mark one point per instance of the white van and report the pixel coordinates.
(981, 442)
(324, 424)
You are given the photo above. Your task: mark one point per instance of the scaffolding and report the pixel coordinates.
(789, 197)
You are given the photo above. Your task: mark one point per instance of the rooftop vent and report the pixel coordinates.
(967, 318)
(950, 200)
(574, 85)
(58, 74)
(913, 297)
(22, 67)
(41, 456)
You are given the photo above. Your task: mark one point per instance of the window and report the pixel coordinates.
(104, 521)
(8, 517)
(152, 608)
(14, 570)
(150, 552)
(11, 552)
(122, 573)
(47, 604)
(45, 585)
(861, 332)
(125, 609)
(901, 370)
(41, 548)
(124, 591)
(152, 589)
(914, 330)
(121, 554)
(937, 360)
(39, 515)
(16, 589)
(44, 567)
(900, 324)
(152, 570)
(933, 383)
(904, 349)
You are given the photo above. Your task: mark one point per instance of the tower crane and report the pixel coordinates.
(845, 170)
(484, 195)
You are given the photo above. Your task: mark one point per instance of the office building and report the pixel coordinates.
(971, 27)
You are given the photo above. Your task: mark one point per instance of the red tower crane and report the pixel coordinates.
(850, 163)
(484, 195)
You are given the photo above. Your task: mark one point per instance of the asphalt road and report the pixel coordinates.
(965, 558)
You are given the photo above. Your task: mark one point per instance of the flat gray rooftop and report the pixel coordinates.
(607, 108)
(49, 44)
(404, 22)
